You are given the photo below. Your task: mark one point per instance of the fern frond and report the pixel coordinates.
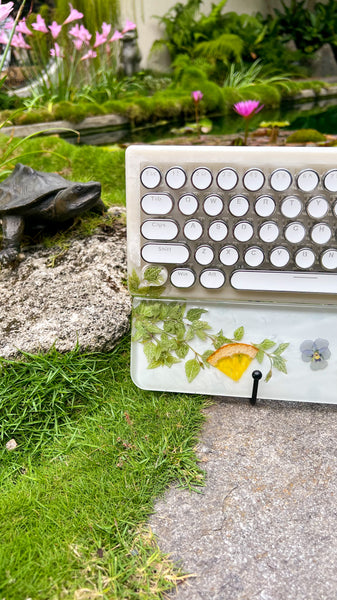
(226, 47)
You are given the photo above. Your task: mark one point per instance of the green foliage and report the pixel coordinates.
(303, 136)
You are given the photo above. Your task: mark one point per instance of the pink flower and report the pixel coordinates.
(55, 29)
(89, 54)
(3, 38)
(247, 108)
(22, 27)
(56, 51)
(81, 33)
(100, 39)
(73, 16)
(9, 23)
(18, 41)
(106, 29)
(116, 36)
(129, 26)
(78, 43)
(197, 95)
(5, 10)
(40, 25)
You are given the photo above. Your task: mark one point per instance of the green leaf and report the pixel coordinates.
(152, 328)
(239, 333)
(268, 376)
(281, 348)
(182, 350)
(206, 355)
(170, 360)
(194, 314)
(152, 275)
(197, 325)
(134, 282)
(201, 335)
(260, 356)
(280, 364)
(266, 344)
(151, 351)
(192, 369)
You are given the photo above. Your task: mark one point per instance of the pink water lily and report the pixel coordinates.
(89, 54)
(5, 10)
(197, 95)
(116, 36)
(129, 26)
(40, 25)
(73, 16)
(56, 51)
(22, 27)
(55, 29)
(248, 108)
(18, 41)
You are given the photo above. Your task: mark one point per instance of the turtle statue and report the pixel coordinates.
(33, 199)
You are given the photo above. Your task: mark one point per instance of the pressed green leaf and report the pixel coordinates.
(182, 350)
(206, 355)
(260, 356)
(194, 314)
(280, 364)
(239, 333)
(134, 282)
(152, 275)
(281, 348)
(266, 344)
(192, 369)
(268, 376)
(150, 351)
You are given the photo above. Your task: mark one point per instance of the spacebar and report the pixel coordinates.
(285, 281)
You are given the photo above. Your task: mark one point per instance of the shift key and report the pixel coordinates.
(165, 253)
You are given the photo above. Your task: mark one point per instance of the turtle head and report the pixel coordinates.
(76, 199)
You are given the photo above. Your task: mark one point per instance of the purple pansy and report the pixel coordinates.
(316, 352)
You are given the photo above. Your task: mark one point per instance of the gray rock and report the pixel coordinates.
(65, 297)
(323, 63)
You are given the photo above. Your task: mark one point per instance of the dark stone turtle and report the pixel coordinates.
(30, 199)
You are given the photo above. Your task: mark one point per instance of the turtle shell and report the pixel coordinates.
(25, 187)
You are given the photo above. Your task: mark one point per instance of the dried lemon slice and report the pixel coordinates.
(233, 359)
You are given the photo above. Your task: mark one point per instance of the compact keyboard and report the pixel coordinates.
(232, 263)
(235, 222)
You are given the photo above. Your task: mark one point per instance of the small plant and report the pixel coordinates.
(304, 136)
(274, 127)
(246, 109)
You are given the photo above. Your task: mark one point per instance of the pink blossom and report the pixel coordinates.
(56, 51)
(81, 33)
(3, 38)
(116, 36)
(106, 29)
(40, 25)
(55, 29)
(129, 26)
(18, 41)
(100, 39)
(5, 10)
(247, 108)
(78, 43)
(22, 27)
(89, 54)
(73, 16)
(197, 95)
(9, 23)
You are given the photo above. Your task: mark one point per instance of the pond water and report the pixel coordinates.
(315, 115)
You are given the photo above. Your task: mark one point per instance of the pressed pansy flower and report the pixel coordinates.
(316, 352)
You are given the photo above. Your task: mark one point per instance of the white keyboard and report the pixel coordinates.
(233, 222)
(232, 262)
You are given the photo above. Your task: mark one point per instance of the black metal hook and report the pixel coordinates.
(256, 375)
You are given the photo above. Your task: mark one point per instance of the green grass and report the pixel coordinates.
(93, 453)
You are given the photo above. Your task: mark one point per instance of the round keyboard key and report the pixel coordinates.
(279, 257)
(243, 231)
(305, 258)
(188, 204)
(330, 181)
(159, 229)
(213, 205)
(150, 177)
(218, 231)
(182, 278)
(280, 180)
(291, 207)
(264, 206)
(317, 207)
(175, 178)
(329, 259)
(168, 254)
(269, 232)
(204, 255)
(201, 178)
(227, 179)
(212, 279)
(238, 206)
(308, 180)
(193, 230)
(156, 204)
(294, 233)
(253, 257)
(229, 256)
(253, 180)
(321, 233)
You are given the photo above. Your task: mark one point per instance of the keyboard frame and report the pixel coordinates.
(267, 159)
